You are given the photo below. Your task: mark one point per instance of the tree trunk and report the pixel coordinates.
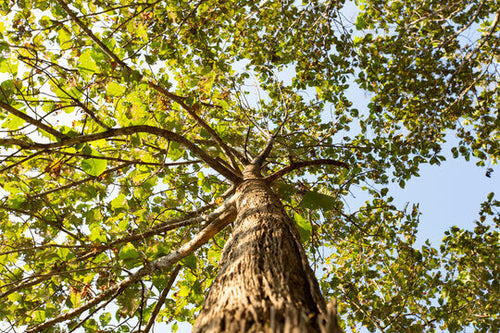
(265, 283)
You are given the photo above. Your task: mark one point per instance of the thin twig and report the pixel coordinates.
(297, 165)
(161, 299)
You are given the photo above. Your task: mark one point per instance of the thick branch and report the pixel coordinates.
(226, 214)
(32, 121)
(259, 159)
(297, 165)
(14, 142)
(214, 164)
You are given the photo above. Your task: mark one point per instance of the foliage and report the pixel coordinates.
(123, 121)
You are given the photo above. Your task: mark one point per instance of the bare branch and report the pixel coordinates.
(297, 165)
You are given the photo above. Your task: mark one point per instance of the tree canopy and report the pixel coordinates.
(125, 126)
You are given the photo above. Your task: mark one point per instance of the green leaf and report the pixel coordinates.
(129, 252)
(190, 261)
(120, 202)
(360, 22)
(105, 318)
(175, 151)
(213, 256)
(304, 226)
(94, 166)
(316, 200)
(13, 122)
(7, 89)
(64, 38)
(115, 89)
(97, 234)
(39, 316)
(64, 254)
(86, 62)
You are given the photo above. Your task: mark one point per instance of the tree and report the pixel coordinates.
(141, 138)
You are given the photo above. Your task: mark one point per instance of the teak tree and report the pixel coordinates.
(167, 161)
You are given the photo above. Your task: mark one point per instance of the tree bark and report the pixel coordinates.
(265, 283)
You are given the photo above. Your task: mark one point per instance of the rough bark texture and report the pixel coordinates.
(265, 283)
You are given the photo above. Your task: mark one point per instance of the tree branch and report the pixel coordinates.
(14, 142)
(24, 285)
(202, 154)
(161, 299)
(57, 84)
(259, 159)
(89, 33)
(54, 223)
(81, 181)
(297, 165)
(107, 158)
(32, 121)
(223, 216)
(179, 100)
(27, 158)
(191, 218)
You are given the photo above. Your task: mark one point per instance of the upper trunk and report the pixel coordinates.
(265, 282)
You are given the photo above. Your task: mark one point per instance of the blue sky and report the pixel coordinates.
(448, 195)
